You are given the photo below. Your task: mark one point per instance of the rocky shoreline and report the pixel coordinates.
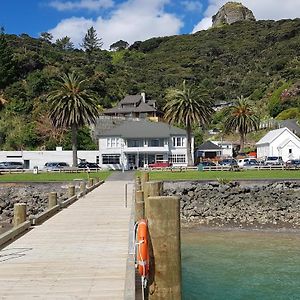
(253, 206)
(34, 195)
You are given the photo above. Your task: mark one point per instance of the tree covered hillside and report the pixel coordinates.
(259, 60)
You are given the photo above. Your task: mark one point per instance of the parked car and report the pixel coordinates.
(207, 164)
(56, 165)
(88, 165)
(244, 161)
(273, 160)
(11, 165)
(251, 164)
(293, 163)
(228, 162)
(160, 164)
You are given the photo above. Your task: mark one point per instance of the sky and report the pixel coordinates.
(129, 20)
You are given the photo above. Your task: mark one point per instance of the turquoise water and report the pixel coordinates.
(237, 265)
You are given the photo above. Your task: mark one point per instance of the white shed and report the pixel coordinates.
(280, 142)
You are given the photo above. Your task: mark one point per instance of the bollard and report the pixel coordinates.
(19, 214)
(71, 191)
(91, 182)
(83, 187)
(163, 215)
(138, 185)
(52, 199)
(153, 188)
(144, 178)
(139, 205)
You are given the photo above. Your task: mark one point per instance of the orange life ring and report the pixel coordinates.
(142, 248)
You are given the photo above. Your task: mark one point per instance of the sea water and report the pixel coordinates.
(236, 265)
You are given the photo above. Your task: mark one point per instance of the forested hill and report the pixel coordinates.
(258, 60)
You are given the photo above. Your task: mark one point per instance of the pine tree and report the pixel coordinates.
(91, 42)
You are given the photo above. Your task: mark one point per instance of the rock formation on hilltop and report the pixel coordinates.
(232, 12)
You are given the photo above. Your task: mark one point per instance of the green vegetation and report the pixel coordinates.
(225, 175)
(188, 106)
(51, 176)
(72, 106)
(259, 60)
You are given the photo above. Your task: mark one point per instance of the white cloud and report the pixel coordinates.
(204, 24)
(194, 6)
(131, 21)
(82, 4)
(262, 9)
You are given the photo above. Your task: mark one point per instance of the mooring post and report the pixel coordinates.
(163, 215)
(19, 214)
(52, 199)
(83, 187)
(71, 191)
(91, 182)
(139, 205)
(144, 178)
(153, 188)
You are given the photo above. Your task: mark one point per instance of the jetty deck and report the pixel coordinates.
(80, 253)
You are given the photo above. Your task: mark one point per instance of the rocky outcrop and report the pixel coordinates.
(35, 197)
(275, 205)
(232, 12)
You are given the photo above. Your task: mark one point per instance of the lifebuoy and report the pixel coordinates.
(142, 248)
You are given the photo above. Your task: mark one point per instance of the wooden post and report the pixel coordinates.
(153, 188)
(138, 185)
(52, 199)
(83, 187)
(91, 182)
(144, 178)
(71, 191)
(19, 214)
(139, 205)
(163, 215)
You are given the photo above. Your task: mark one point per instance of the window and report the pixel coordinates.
(290, 151)
(110, 159)
(134, 143)
(159, 157)
(177, 141)
(97, 159)
(177, 158)
(156, 143)
(113, 143)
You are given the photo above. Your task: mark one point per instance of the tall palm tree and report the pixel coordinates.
(241, 117)
(188, 106)
(72, 106)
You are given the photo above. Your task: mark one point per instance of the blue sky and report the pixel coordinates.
(129, 20)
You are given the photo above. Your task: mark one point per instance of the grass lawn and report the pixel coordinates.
(51, 176)
(227, 175)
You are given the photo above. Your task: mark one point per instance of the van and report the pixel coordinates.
(273, 160)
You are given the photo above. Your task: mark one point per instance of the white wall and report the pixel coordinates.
(39, 158)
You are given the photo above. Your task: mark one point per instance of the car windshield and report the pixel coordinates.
(272, 158)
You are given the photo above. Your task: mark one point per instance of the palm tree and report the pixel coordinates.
(72, 106)
(187, 106)
(241, 117)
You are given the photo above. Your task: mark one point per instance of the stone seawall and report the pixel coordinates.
(275, 205)
(34, 195)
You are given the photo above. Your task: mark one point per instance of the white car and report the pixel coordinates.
(246, 161)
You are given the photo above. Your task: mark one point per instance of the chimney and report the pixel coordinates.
(144, 97)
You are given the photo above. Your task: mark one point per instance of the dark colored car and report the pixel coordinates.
(228, 162)
(11, 165)
(293, 163)
(88, 165)
(56, 165)
(207, 164)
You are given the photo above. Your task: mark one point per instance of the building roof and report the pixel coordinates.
(129, 99)
(272, 135)
(208, 145)
(291, 124)
(143, 129)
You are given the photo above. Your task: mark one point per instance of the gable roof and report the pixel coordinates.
(208, 145)
(143, 129)
(129, 99)
(273, 134)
